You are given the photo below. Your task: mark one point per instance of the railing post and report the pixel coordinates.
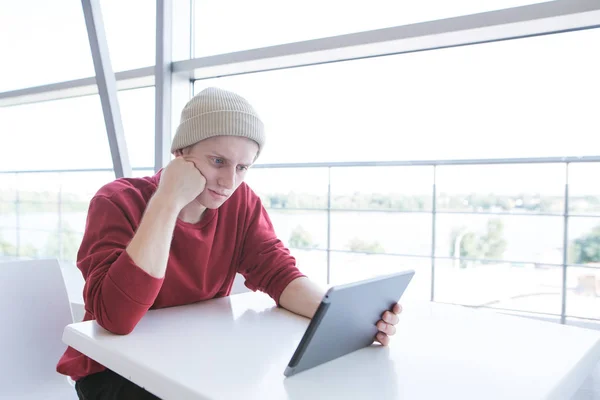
(433, 226)
(328, 225)
(60, 226)
(563, 311)
(18, 219)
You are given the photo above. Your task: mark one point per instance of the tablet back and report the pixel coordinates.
(345, 321)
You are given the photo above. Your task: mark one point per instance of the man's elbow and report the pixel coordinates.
(117, 325)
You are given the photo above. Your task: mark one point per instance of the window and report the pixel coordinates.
(300, 229)
(584, 193)
(130, 32)
(48, 213)
(312, 263)
(583, 291)
(531, 97)
(62, 134)
(71, 133)
(584, 238)
(137, 113)
(352, 267)
(47, 42)
(291, 188)
(381, 232)
(524, 240)
(513, 188)
(381, 188)
(228, 25)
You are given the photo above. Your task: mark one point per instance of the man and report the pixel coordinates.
(181, 236)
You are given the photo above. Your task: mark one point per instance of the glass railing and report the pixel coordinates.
(516, 235)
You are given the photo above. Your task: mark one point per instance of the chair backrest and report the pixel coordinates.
(35, 311)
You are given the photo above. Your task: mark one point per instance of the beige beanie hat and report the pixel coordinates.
(217, 112)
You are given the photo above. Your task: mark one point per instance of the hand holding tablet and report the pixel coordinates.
(349, 318)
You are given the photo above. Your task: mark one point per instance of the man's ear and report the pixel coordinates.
(178, 153)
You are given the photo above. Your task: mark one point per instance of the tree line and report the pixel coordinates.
(467, 245)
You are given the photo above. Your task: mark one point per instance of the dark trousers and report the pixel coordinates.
(107, 385)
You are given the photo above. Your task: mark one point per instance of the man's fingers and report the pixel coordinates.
(386, 328)
(390, 318)
(397, 309)
(383, 338)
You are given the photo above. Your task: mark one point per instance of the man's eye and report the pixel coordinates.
(219, 161)
(242, 167)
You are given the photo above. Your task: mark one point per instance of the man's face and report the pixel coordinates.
(224, 161)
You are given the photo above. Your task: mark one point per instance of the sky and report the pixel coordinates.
(532, 97)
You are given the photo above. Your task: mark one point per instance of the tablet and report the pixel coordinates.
(345, 320)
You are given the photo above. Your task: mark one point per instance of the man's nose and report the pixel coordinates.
(227, 178)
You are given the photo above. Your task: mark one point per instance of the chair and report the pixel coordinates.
(35, 311)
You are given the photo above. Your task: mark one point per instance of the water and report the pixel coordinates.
(529, 238)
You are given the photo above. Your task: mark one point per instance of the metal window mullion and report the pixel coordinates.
(509, 23)
(517, 22)
(181, 86)
(162, 114)
(107, 87)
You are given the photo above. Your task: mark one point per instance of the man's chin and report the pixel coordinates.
(211, 204)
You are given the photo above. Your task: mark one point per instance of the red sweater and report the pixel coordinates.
(203, 260)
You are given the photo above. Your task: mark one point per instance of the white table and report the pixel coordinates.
(238, 347)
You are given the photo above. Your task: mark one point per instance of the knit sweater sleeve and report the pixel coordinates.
(266, 263)
(117, 293)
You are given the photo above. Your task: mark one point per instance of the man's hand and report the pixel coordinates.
(387, 325)
(181, 182)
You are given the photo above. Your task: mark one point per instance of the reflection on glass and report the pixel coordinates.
(584, 238)
(254, 23)
(500, 285)
(381, 232)
(533, 240)
(352, 267)
(520, 188)
(583, 292)
(300, 229)
(290, 187)
(584, 193)
(429, 105)
(396, 188)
